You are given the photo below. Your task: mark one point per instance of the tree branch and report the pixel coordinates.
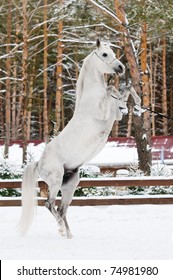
(104, 10)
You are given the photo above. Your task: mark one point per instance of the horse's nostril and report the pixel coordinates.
(120, 68)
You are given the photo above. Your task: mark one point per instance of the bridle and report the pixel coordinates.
(103, 60)
(144, 108)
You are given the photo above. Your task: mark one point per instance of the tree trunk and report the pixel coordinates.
(31, 87)
(59, 76)
(144, 153)
(129, 123)
(171, 94)
(145, 85)
(114, 132)
(155, 68)
(152, 98)
(25, 79)
(115, 128)
(45, 112)
(14, 127)
(164, 91)
(14, 98)
(8, 87)
(40, 120)
(2, 128)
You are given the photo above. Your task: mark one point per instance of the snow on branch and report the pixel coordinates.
(90, 26)
(10, 78)
(105, 10)
(84, 42)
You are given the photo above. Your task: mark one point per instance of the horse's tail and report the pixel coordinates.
(29, 184)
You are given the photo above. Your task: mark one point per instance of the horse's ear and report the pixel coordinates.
(98, 43)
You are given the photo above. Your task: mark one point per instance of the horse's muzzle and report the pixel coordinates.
(119, 70)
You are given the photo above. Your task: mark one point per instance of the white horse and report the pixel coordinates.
(82, 138)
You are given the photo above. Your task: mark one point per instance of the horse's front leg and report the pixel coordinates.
(67, 189)
(137, 110)
(119, 103)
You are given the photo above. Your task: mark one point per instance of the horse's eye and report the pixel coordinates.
(105, 54)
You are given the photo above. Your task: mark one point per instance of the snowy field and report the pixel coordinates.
(112, 232)
(108, 156)
(109, 232)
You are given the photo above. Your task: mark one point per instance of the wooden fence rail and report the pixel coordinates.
(99, 182)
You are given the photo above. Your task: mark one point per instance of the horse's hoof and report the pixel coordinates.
(124, 111)
(62, 230)
(62, 234)
(69, 236)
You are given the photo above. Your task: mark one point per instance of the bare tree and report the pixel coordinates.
(45, 112)
(141, 136)
(8, 85)
(24, 79)
(145, 84)
(164, 93)
(58, 106)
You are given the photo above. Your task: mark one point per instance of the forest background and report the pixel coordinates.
(43, 44)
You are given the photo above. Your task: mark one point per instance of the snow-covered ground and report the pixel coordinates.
(110, 154)
(112, 232)
(15, 154)
(109, 232)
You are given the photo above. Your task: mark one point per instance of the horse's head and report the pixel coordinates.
(106, 60)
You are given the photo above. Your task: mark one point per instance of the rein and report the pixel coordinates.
(148, 109)
(158, 114)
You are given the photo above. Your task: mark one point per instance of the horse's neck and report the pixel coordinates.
(90, 83)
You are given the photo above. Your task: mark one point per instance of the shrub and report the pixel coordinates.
(9, 171)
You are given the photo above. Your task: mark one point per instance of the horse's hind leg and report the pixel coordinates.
(67, 189)
(50, 204)
(54, 181)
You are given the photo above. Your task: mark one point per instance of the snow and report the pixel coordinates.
(106, 10)
(112, 154)
(100, 233)
(109, 232)
(15, 153)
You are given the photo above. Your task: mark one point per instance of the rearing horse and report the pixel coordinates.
(83, 137)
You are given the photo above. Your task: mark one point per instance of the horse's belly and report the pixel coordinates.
(82, 146)
(77, 144)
